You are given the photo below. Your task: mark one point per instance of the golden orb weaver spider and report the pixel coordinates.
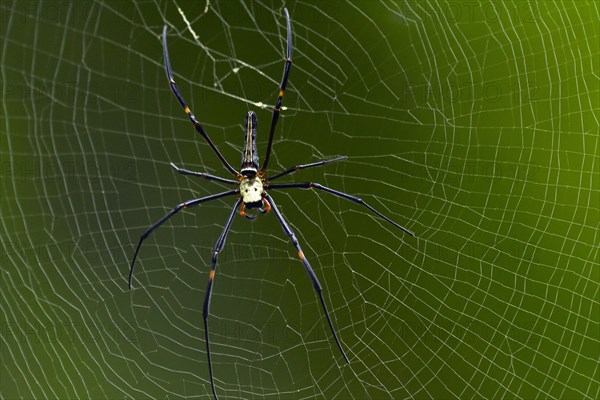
(251, 190)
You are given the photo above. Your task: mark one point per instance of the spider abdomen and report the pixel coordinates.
(251, 189)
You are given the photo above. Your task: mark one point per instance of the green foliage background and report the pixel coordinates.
(474, 124)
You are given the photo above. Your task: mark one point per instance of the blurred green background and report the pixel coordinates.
(474, 124)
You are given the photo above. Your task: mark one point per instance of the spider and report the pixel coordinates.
(251, 190)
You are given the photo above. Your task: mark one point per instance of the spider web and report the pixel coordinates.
(474, 124)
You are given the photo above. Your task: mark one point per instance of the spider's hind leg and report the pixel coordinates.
(311, 273)
(209, 288)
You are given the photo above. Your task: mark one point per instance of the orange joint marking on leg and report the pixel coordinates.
(187, 110)
(211, 274)
(267, 205)
(301, 255)
(281, 93)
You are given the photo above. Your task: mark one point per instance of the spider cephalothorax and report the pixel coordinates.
(251, 189)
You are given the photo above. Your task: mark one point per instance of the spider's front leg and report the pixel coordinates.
(282, 86)
(187, 110)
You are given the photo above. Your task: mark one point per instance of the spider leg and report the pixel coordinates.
(303, 166)
(243, 213)
(267, 207)
(311, 185)
(284, 79)
(288, 231)
(204, 175)
(187, 109)
(211, 278)
(174, 211)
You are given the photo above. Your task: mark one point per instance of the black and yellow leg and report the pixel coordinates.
(316, 284)
(354, 199)
(187, 110)
(304, 166)
(203, 175)
(211, 279)
(174, 211)
(282, 86)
